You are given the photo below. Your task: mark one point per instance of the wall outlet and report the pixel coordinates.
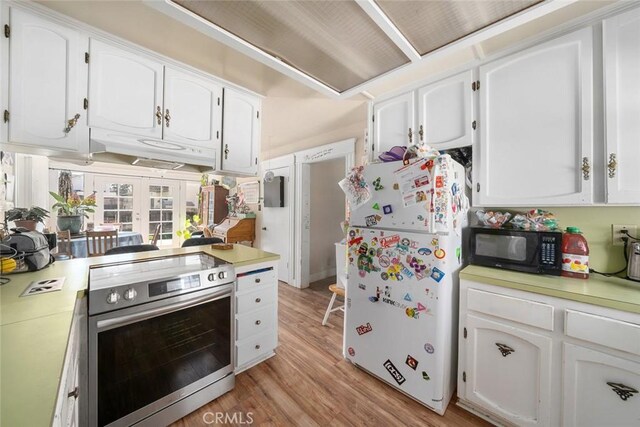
(617, 235)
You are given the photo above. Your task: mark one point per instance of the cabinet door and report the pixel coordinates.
(47, 86)
(536, 126)
(508, 371)
(622, 104)
(599, 389)
(192, 109)
(125, 91)
(393, 120)
(241, 132)
(445, 112)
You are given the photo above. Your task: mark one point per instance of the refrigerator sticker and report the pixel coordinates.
(396, 186)
(372, 220)
(411, 362)
(437, 274)
(425, 376)
(362, 286)
(351, 351)
(412, 313)
(356, 241)
(439, 253)
(429, 348)
(363, 329)
(374, 241)
(355, 188)
(394, 372)
(376, 184)
(414, 180)
(387, 209)
(403, 246)
(376, 206)
(377, 297)
(458, 254)
(424, 251)
(384, 261)
(407, 297)
(388, 242)
(387, 291)
(384, 275)
(421, 307)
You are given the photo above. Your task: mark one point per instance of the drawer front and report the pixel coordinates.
(255, 322)
(255, 347)
(605, 331)
(256, 280)
(518, 310)
(255, 300)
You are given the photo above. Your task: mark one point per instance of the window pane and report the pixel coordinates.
(166, 191)
(166, 236)
(154, 215)
(167, 215)
(126, 227)
(126, 190)
(126, 216)
(110, 217)
(111, 190)
(110, 203)
(167, 227)
(154, 191)
(126, 203)
(152, 227)
(167, 203)
(155, 204)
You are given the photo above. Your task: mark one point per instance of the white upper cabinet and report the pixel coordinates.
(536, 119)
(445, 112)
(47, 84)
(125, 91)
(622, 106)
(394, 123)
(192, 109)
(241, 133)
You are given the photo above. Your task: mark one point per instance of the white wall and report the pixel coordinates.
(327, 211)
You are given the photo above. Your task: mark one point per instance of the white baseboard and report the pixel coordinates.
(314, 277)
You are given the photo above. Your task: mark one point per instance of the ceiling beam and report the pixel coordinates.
(382, 20)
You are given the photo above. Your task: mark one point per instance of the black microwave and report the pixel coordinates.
(519, 250)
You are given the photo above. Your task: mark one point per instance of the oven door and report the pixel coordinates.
(145, 358)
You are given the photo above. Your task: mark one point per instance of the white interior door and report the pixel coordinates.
(275, 235)
(193, 106)
(118, 200)
(161, 207)
(241, 132)
(125, 91)
(622, 103)
(48, 81)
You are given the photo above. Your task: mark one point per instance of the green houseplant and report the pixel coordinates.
(27, 217)
(189, 227)
(72, 210)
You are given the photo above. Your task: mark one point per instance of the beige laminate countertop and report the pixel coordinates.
(612, 292)
(34, 330)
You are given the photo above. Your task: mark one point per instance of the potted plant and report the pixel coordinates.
(72, 210)
(190, 226)
(27, 218)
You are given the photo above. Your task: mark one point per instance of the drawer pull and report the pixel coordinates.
(623, 391)
(258, 280)
(258, 300)
(258, 322)
(74, 393)
(505, 349)
(257, 346)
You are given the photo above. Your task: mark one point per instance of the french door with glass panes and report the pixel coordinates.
(162, 199)
(118, 200)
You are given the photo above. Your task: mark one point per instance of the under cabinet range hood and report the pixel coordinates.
(110, 146)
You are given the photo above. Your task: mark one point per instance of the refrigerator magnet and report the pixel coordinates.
(411, 362)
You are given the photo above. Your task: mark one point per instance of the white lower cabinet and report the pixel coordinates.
(508, 371)
(256, 314)
(549, 362)
(599, 389)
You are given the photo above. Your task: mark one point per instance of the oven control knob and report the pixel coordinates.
(222, 275)
(130, 294)
(113, 297)
(211, 277)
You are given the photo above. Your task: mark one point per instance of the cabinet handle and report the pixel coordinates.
(505, 349)
(71, 123)
(226, 151)
(612, 165)
(623, 391)
(258, 300)
(586, 169)
(73, 393)
(257, 346)
(410, 136)
(421, 133)
(167, 118)
(258, 322)
(159, 115)
(258, 280)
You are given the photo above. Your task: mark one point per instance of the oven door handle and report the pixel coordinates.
(155, 312)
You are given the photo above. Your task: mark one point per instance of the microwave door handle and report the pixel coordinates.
(155, 312)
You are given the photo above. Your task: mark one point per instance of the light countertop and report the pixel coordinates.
(612, 292)
(34, 330)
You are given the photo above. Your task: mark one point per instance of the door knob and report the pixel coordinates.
(264, 228)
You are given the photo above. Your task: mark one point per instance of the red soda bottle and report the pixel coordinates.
(575, 254)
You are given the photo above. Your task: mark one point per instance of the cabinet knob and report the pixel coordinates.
(71, 123)
(167, 118)
(159, 115)
(611, 166)
(257, 346)
(258, 280)
(258, 300)
(226, 151)
(73, 393)
(586, 168)
(421, 133)
(623, 391)
(410, 136)
(505, 349)
(258, 322)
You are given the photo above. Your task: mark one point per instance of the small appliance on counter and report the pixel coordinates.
(520, 250)
(633, 265)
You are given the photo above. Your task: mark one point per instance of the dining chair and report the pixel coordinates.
(156, 234)
(129, 249)
(99, 242)
(63, 246)
(198, 241)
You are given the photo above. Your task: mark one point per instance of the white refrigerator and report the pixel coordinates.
(402, 288)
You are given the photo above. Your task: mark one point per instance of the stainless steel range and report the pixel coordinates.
(160, 338)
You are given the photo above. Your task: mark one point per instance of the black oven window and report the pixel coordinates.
(142, 362)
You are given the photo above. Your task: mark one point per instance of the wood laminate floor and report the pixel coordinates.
(308, 383)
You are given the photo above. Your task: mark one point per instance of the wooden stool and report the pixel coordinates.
(336, 291)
